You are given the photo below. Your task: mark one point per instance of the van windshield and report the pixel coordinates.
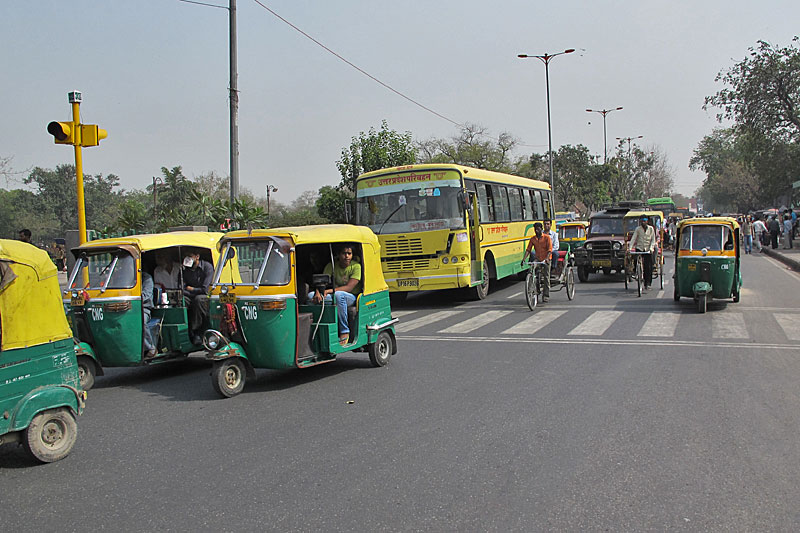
(104, 269)
(605, 226)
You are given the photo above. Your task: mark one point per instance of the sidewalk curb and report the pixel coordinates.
(788, 261)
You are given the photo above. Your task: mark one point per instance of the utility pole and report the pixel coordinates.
(234, 105)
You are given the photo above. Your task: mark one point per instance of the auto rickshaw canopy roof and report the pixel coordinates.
(329, 234)
(648, 214)
(155, 241)
(709, 220)
(31, 310)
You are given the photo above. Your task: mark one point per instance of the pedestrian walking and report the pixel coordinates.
(759, 230)
(774, 229)
(787, 231)
(747, 234)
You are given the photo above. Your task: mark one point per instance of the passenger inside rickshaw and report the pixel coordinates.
(339, 283)
(165, 268)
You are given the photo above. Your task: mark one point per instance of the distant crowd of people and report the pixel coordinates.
(773, 230)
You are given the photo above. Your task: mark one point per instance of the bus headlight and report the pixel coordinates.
(445, 260)
(454, 260)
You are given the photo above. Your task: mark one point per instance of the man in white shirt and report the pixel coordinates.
(554, 270)
(167, 272)
(644, 240)
(759, 228)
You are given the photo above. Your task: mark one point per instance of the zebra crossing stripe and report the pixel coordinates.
(476, 322)
(404, 327)
(790, 323)
(728, 326)
(399, 314)
(534, 323)
(660, 324)
(597, 323)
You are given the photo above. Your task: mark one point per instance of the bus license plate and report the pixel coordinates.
(227, 298)
(408, 282)
(77, 301)
(601, 263)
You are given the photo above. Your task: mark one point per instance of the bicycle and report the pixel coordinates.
(534, 280)
(638, 270)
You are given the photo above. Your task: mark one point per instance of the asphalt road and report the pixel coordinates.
(607, 412)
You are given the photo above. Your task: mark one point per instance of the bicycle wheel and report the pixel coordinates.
(570, 284)
(530, 291)
(627, 273)
(639, 274)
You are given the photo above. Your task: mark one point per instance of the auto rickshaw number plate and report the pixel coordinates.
(227, 298)
(77, 301)
(408, 282)
(691, 266)
(601, 262)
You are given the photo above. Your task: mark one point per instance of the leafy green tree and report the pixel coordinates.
(472, 147)
(21, 209)
(571, 168)
(330, 204)
(373, 151)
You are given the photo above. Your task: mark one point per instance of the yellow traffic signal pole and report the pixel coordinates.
(78, 135)
(76, 119)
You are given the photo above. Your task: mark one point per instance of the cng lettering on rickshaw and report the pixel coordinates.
(61, 360)
(723, 267)
(250, 312)
(97, 314)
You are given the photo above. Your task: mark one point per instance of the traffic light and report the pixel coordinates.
(63, 132)
(91, 134)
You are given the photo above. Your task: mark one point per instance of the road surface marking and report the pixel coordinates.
(534, 323)
(404, 327)
(790, 325)
(597, 323)
(661, 324)
(728, 326)
(514, 295)
(398, 314)
(476, 322)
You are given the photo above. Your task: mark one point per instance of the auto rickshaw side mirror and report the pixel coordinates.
(230, 254)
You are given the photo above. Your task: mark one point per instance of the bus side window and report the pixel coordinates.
(500, 203)
(527, 205)
(548, 210)
(515, 202)
(537, 204)
(490, 202)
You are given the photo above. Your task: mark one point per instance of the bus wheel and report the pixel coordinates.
(51, 435)
(583, 273)
(228, 376)
(381, 350)
(482, 290)
(86, 372)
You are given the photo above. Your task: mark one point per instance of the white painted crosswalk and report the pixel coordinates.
(575, 323)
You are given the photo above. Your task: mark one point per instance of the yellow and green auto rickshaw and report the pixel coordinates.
(572, 235)
(40, 392)
(108, 312)
(262, 316)
(707, 260)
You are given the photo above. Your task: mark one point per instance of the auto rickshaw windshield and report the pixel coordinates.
(259, 262)
(104, 270)
(573, 232)
(697, 237)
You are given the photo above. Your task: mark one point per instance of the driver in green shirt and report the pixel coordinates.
(347, 285)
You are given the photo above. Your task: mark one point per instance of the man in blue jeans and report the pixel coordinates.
(347, 282)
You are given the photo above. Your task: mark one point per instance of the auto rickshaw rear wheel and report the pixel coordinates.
(51, 435)
(228, 377)
(86, 372)
(675, 294)
(381, 350)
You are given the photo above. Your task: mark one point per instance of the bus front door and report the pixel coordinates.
(476, 261)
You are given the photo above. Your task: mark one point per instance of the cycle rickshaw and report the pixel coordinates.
(634, 267)
(534, 279)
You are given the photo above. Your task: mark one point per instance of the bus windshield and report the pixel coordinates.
(410, 202)
(606, 226)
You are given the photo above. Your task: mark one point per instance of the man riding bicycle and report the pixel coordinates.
(542, 246)
(644, 240)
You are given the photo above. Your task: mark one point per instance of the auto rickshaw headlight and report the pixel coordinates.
(445, 260)
(212, 339)
(704, 251)
(74, 294)
(224, 289)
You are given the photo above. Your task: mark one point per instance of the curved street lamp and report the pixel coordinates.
(546, 60)
(270, 189)
(604, 112)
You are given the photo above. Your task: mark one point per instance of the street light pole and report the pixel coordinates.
(156, 183)
(604, 112)
(546, 60)
(270, 189)
(629, 139)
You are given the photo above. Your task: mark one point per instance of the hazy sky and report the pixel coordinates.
(154, 73)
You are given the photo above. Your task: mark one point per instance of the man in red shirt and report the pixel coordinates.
(541, 245)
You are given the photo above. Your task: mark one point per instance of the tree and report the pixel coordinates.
(572, 169)
(373, 151)
(472, 147)
(763, 92)
(330, 204)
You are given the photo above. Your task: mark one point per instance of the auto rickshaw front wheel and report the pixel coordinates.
(51, 435)
(381, 350)
(86, 372)
(228, 377)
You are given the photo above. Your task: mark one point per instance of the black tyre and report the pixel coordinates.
(531, 294)
(570, 282)
(639, 278)
(381, 350)
(675, 294)
(228, 377)
(583, 273)
(606, 271)
(482, 291)
(661, 275)
(51, 435)
(626, 279)
(87, 370)
(736, 295)
(702, 303)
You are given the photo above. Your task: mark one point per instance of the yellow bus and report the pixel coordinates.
(444, 226)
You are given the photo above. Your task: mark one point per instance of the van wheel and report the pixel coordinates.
(51, 435)
(86, 372)
(228, 376)
(583, 273)
(381, 350)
